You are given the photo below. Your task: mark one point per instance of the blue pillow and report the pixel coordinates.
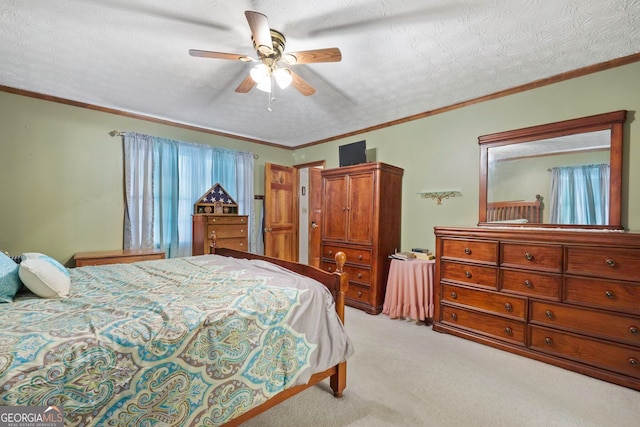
(9, 279)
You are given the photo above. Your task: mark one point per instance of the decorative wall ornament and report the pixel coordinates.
(440, 194)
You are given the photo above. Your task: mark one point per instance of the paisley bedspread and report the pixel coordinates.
(188, 341)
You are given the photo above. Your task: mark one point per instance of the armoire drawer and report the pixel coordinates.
(471, 274)
(494, 326)
(354, 255)
(356, 274)
(601, 324)
(606, 355)
(470, 250)
(607, 294)
(531, 256)
(494, 302)
(358, 293)
(530, 283)
(608, 263)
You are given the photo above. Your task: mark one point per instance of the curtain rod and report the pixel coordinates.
(118, 133)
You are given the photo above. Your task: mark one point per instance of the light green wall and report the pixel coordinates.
(61, 172)
(442, 152)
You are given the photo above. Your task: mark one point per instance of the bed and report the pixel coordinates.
(515, 211)
(207, 340)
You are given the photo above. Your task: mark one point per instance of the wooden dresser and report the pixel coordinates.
(231, 232)
(124, 256)
(569, 298)
(361, 217)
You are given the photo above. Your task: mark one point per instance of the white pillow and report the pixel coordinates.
(44, 276)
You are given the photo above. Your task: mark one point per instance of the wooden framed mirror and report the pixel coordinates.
(564, 174)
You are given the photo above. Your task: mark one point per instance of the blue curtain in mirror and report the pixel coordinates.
(163, 180)
(579, 195)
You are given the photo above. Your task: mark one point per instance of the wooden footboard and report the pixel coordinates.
(337, 283)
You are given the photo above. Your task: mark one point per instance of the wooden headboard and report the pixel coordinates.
(515, 210)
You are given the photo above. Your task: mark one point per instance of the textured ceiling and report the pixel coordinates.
(400, 58)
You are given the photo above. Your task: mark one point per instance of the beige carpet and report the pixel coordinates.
(405, 374)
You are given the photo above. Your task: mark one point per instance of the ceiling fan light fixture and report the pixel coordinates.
(260, 73)
(264, 85)
(283, 77)
(289, 58)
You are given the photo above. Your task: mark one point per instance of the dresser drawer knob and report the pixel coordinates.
(548, 341)
(633, 361)
(359, 275)
(549, 314)
(508, 306)
(528, 283)
(610, 294)
(329, 269)
(454, 295)
(359, 294)
(330, 252)
(508, 330)
(467, 251)
(610, 262)
(360, 257)
(467, 274)
(454, 316)
(528, 256)
(634, 330)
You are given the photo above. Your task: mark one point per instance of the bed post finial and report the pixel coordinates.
(213, 242)
(341, 258)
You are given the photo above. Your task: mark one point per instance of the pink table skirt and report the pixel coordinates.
(410, 289)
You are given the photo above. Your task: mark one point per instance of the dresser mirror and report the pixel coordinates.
(564, 174)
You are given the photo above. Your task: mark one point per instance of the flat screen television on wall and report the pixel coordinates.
(353, 154)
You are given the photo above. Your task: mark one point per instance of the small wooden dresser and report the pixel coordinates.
(569, 298)
(124, 256)
(231, 232)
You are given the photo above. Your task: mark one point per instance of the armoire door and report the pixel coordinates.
(334, 221)
(360, 208)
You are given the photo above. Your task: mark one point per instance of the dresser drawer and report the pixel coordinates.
(226, 219)
(493, 326)
(493, 302)
(357, 274)
(532, 256)
(470, 250)
(233, 243)
(602, 324)
(607, 294)
(470, 274)
(228, 231)
(531, 284)
(613, 357)
(358, 293)
(609, 263)
(357, 255)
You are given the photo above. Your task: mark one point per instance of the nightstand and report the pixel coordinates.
(117, 256)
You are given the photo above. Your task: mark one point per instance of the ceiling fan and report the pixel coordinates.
(270, 45)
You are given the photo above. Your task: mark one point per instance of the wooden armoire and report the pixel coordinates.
(361, 217)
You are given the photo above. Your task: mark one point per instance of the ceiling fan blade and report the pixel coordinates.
(246, 85)
(299, 83)
(331, 54)
(219, 55)
(260, 31)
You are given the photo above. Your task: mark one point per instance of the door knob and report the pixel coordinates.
(268, 229)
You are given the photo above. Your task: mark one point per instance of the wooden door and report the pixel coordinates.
(360, 208)
(281, 212)
(334, 219)
(315, 216)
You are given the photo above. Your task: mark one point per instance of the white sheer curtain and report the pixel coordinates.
(138, 181)
(175, 177)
